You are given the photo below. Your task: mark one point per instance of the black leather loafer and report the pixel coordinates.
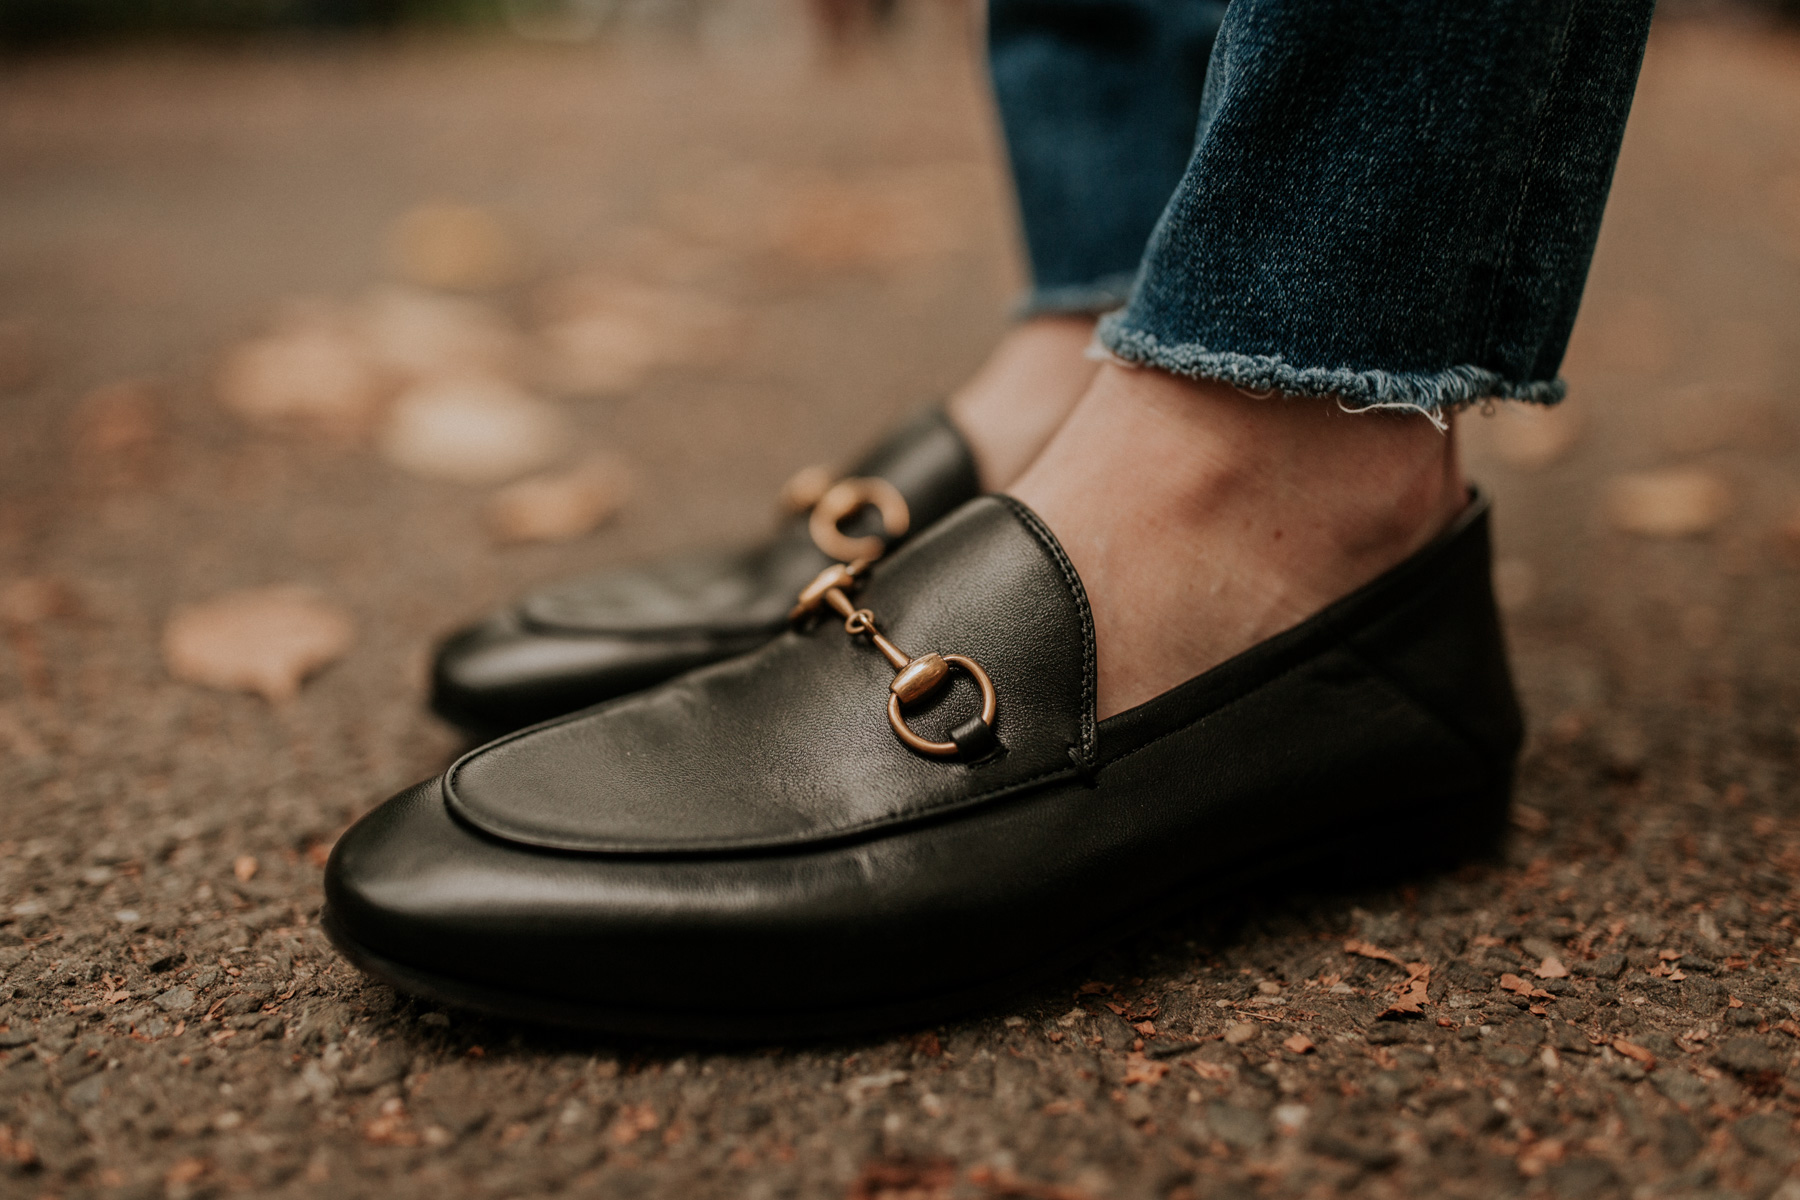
(753, 851)
(618, 631)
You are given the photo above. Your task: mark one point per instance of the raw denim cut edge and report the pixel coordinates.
(1429, 392)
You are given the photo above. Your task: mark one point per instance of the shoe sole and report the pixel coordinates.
(1390, 852)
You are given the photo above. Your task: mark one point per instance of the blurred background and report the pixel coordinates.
(326, 325)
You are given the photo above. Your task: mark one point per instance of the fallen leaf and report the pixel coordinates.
(312, 374)
(1513, 983)
(1636, 1052)
(474, 431)
(1552, 968)
(1211, 1071)
(1672, 503)
(1093, 988)
(244, 867)
(1239, 1032)
(1529, 437)
(1298, 1043)
(1139, 1069)
(415, 334)
(1413, 993)
(905, 1179)
(463, 247)
(557, 507)
(1370, 950)
(265, 640)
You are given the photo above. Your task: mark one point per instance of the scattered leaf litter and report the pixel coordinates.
(266, 640)
(1672, 503)
(474, 431)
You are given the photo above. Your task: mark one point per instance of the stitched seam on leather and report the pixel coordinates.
(1089, 686)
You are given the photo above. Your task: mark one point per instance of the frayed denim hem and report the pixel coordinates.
(1103, 295)
(1431, 393)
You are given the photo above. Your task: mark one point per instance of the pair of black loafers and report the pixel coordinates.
(815, 798)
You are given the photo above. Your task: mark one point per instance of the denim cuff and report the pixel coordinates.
(1077, 299)
(1431, 392)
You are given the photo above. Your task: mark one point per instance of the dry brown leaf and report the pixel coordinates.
(1518, 986)
(244, 867)
(474, 431)
(265, 640)
(1552, 968)
(463, 247)
(1414, 990)
(1370, 950)
(1636, 1052)
(559, 506)
(1672, 503)
(311, 373)
(1139, 1069)
(1298, 1043)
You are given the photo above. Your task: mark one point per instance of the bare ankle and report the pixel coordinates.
(1204, 520)
(1015, 402)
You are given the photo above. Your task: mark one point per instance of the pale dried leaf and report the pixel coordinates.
(474, 431)
(417, 334)
(311, 373)
(1239, 1032)
(463, 247)
(560, 506)
(1552, 968)
(266, 640)
(1672, 503)
(1298, 1043)
(1369, 950)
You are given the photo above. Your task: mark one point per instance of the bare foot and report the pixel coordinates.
(1203, 521)
(1012, 405)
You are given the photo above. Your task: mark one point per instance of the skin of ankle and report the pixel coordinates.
(1203, 520)
(1015, 401)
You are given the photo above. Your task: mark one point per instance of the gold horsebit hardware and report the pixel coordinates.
(833, 503)
(915, 678)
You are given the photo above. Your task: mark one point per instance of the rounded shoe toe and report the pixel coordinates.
(504, 674)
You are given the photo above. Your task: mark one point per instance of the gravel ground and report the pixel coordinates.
(1609, 1009)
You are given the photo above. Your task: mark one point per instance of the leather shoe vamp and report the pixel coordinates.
(791, 744)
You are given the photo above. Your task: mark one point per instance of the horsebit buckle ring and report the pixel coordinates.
(914, 678)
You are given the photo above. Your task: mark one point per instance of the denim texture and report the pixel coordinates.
(1099, 100)
(1393, 202)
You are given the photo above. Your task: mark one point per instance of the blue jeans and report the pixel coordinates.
(1392, 202)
